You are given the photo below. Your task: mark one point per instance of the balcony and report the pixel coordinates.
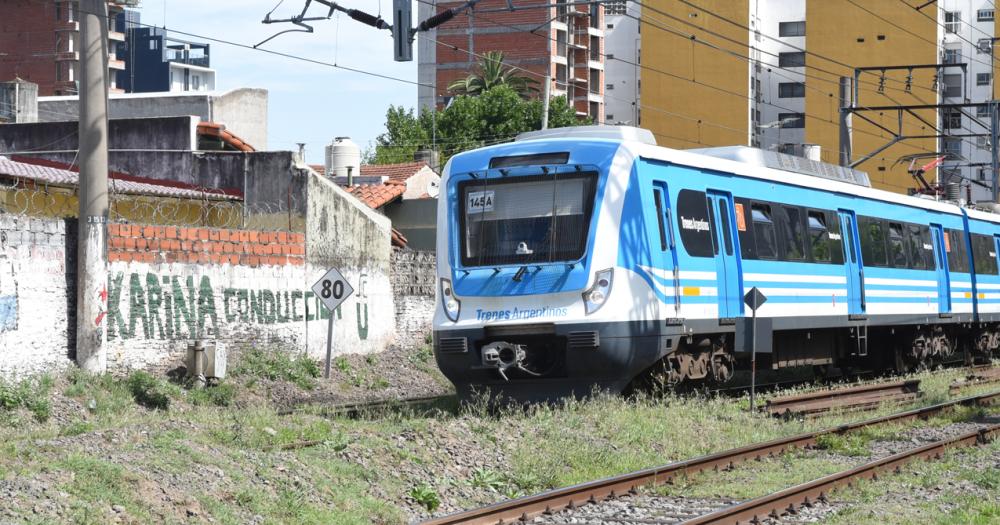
(114, 63)
(116, 36)
(186, 57)
(67, 26)
(66, 56)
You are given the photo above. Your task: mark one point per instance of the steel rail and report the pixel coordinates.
(853, 397)
(528, 507)
(788, 501)
(978, 376)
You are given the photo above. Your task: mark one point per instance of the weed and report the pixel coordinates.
(371, 359)
(76, 428)
(147, 390)
(221, 395)
(426, 496)
(483, 478)
(31, 394)
(277, 365)
(429, 338)
(341, 363)
(988, 479)
(424, 354)
(379, 383)
(846, 444)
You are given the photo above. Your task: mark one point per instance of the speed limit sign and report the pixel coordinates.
(332, 289)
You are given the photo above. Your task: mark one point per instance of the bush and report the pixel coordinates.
(31, 394)
(148, 391)
(221, 395)
(275, 366)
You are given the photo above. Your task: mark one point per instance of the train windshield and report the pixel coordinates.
(525, 220)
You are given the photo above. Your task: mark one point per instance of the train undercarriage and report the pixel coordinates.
(711, 360)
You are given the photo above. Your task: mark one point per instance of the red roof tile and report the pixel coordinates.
(213, 129)
(377, 195)
(395, 172)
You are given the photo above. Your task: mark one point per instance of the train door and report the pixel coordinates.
(941, 264)
(663, 247)
(727, 265)
(853, 265)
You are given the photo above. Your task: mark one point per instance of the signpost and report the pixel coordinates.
(753, 299)
(332, 289)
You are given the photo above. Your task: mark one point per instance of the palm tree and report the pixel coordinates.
(493, 73)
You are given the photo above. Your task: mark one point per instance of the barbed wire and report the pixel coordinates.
(27, 197)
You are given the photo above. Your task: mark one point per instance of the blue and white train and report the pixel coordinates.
(583, 257)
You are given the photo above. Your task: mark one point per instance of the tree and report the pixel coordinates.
(492, 73)
(496, 116)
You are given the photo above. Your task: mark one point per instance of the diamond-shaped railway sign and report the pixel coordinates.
(754, 298)
(332, 289)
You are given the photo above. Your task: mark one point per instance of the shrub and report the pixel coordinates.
(221, 395)
(147, 390)
(278, 366)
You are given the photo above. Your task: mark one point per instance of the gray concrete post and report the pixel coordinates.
(92, 272)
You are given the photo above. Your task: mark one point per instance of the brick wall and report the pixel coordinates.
(35, 296)
(413, 287)
(170, 244)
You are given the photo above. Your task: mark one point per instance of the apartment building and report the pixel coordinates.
(38, 43)
(622, 56)
(562, 41)
(767, 73)
(158, 62)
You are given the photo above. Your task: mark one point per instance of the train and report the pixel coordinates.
(589, 257)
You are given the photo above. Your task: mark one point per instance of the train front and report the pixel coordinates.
(527, 243)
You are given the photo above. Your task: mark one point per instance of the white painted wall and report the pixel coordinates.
(766, 15)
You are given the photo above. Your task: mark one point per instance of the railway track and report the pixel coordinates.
(859, 397)
(528, 507)
(382, 405)
(978, 375)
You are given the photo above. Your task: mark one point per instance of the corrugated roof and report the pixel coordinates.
(396, 172)
(45, 172)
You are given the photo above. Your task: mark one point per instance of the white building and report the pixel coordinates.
(779, 95)
(966, 34)
(621, 56)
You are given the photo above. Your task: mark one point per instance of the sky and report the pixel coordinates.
(308, 103)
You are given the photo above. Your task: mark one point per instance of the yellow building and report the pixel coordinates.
(766, 73)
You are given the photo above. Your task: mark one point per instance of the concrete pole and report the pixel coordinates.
(545, 102)
(994, 159)
(846, 101)
(91, 269)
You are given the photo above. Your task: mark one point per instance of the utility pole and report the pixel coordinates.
(545, 102)
(91, 267)
(846, 101)
(995, 173)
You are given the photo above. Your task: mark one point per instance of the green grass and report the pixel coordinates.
(31, 394)
(277, 365)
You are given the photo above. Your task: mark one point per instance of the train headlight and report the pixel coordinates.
(596, 295)
(452, 306)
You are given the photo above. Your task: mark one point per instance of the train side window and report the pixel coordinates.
(763, 230)
(742, 210)
(872, 236)
(958, 257)
(834, 237)
(658, 203)
(693, 223)
(897, 245)
(794, 239)
(819, 236)
(984, 254)
(711, 226)
(915, 247)
(922, 247)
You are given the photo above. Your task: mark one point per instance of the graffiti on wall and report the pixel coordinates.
(8, 313)
(152, 306)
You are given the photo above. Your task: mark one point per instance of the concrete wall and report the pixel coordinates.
(413, 287)
(35, 295)
(243, 111)
(175, 133)
(344, 233)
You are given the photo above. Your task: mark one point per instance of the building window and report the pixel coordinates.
(792, 120)
(791, 90)
(983, 172)
(983, 142)
(611, 26)
(953, 86)
(609, 117)
(614, 7)
(792, 59)
(984, 15)
(984, 46)
(952, 56)
(196, 82)
(983, 79)
(952, 146)
(609, 86)
(609, 56)
(951, 118)
(982, 112)
(792, 28)
(952, 19)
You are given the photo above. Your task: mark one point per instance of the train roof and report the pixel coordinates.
(737, 160)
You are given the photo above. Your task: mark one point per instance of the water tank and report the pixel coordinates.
(343, 158)
(953, 191)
